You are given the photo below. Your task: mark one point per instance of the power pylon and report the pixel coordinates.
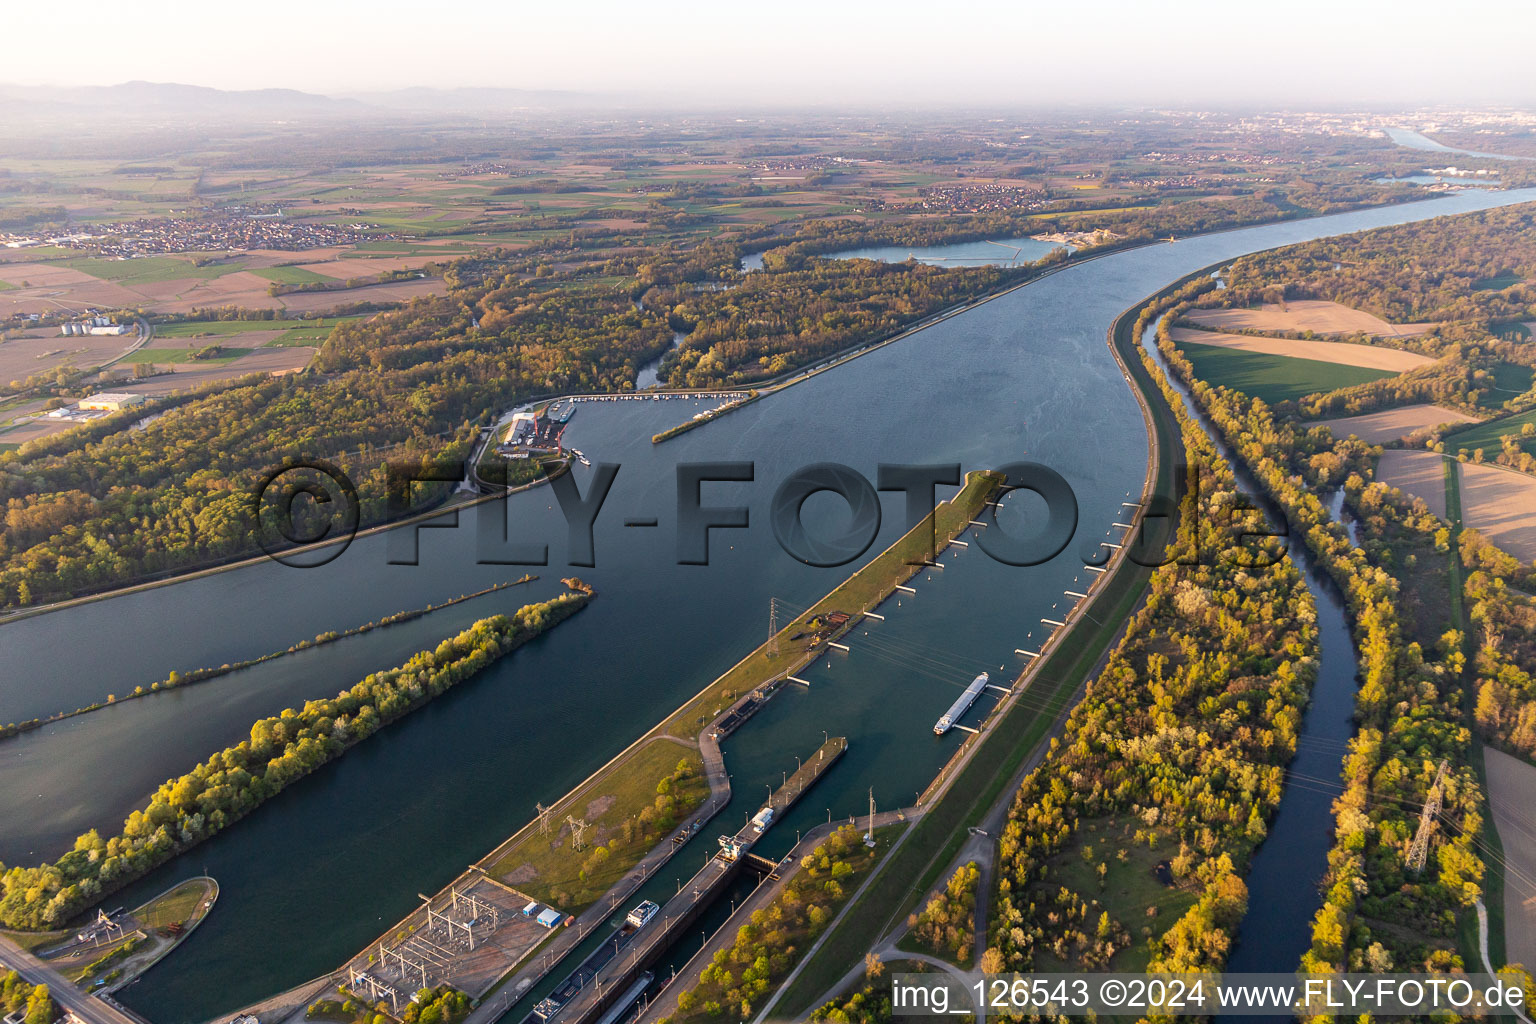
(1418, 853)
(578, 826)
(773, 626)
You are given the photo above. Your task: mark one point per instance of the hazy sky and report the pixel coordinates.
(1192, 51)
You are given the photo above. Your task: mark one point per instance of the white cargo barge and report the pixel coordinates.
(961, 705)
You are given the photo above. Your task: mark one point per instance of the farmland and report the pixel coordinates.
(1316, 315)
(1270, 377)
(1501, 505)
(1395, 423)
(1486, 435)
(1367, 356)
(1418, 474)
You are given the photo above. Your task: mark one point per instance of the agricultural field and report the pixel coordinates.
(293, 275)
(1419, 474)
(1393, 424)
(253, 333)
(176, 284)
(1510, 380)
(39, 350)
(1501, 505)
(174, 374)
(1512, 794)
(1314, 315)
(1486, 435)
(1368, 356)
(1270, 377)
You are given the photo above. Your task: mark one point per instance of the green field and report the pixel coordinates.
(1509, 380)
(183, 355)
(6, 286)
(1486, 435)
(1273, 378)
(295, 332)
(177, 905)
(554, 870)
(292, 275)
(1130, 888)
(147, 269)
(1499, 283)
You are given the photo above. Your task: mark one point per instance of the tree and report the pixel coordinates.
(40, 1008)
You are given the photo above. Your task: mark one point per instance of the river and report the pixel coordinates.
(312, 876)
(1413, 140)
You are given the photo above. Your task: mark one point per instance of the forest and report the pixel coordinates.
(1408, 708)
(279, 751)
(1440, 269)
(1183, 736)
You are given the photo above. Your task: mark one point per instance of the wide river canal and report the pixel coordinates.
(315, 874)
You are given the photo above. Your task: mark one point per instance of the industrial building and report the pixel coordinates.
(111, 401)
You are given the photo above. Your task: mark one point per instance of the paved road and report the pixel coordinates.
(31, 969)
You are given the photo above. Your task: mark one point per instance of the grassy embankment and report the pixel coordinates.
(936, 839)
(547, 868)
(859, 593)
(164, 922)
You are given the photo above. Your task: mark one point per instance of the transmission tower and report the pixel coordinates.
(1418, 853)
(544, 813)
(869, 836)
(578, 826)
(773, 626)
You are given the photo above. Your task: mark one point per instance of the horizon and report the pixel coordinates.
(986, 55)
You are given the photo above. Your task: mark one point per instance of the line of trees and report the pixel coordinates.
(235, 781)
(768, 945)
(947, 925)
(1505, 661)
